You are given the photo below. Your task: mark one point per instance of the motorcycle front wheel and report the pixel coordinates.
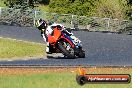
(68, 53)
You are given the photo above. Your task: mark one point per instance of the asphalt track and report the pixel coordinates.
(102, 49)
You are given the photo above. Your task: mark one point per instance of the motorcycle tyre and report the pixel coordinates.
(65, 52)
(81, 54)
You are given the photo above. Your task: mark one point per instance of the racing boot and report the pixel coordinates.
(48, 49)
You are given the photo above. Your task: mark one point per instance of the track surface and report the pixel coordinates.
(101, 49)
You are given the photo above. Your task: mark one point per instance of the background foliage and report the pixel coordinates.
(120, 9)
(77, 7)
(100, 8)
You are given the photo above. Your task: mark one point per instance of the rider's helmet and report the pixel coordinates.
(41, 24)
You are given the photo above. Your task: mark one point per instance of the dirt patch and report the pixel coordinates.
(90, 70)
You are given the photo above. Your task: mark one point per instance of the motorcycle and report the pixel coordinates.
(62, 43)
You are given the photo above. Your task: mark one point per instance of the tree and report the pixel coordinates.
(45, 2)
(129, 2)
(77, 7)
(19, 3)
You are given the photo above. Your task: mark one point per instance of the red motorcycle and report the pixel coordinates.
(62, 43)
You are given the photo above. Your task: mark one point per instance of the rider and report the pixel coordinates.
(47, 28)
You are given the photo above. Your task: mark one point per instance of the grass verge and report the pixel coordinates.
(54, 78)
(18, 49)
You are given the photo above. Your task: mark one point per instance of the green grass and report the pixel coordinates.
(12, 48)
(2, 3)
(50, 80)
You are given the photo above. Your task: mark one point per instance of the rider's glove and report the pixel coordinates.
(76, 40)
